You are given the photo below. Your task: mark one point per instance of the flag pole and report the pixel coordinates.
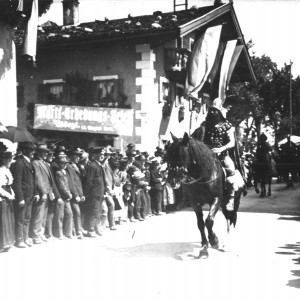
(291, 103)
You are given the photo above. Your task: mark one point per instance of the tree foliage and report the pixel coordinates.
(266, 101)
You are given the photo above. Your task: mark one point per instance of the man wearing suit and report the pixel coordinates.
(63, 215)
(73, 173)
(44, 182)
(94, 190)
(23, 187)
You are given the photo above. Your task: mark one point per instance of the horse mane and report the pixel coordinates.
(201, 155)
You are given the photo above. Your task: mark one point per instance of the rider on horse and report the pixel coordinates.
(219, 134)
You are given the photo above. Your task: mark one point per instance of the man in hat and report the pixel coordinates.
(131, 154)
(52, 204)
(63, 214)
(23, 187)
(95, 186)
(44, 182)
(108, 206)
(156, 183)
(77, 192)
(219, 134)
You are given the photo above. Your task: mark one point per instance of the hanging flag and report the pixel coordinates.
(230, 47)
(29, 46)
(216, 66)
(235, 57)
(202, 60)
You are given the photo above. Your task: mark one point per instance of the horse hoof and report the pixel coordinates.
(203, 254)
(257, 191)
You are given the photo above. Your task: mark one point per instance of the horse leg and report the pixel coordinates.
(209, 223)
(201, 226)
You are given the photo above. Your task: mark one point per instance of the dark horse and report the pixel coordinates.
(192, 163)
(262, 172)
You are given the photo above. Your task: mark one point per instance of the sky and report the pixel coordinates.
(273, 25)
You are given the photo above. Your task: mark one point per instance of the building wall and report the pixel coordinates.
(93, 61)
(8, 96)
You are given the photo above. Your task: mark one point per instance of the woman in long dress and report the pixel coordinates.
(7, 233)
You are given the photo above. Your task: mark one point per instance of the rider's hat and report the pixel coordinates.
(218, 104)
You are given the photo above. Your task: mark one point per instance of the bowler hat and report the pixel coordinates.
(141, 157)
(60, 149)
(42, 147)
(130, 146)
(111, 150)
(75, 151)
(131, 153)
(99, 150)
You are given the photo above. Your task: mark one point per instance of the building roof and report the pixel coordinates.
(50, 33)
(147, 28)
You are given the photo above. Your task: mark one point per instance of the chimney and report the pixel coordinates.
(71, 12)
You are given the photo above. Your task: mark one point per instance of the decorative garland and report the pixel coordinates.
(10, 15)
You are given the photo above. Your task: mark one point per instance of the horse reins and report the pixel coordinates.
(205, 182)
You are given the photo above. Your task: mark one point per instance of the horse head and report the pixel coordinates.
(177, 159)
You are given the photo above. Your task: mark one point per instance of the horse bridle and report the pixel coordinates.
(196, 180)
(205, 182)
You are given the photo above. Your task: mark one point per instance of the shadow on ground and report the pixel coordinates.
(178, 251)
(292, 249)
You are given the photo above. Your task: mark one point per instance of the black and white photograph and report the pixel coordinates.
(149, 149)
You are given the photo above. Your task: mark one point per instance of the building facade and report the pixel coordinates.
(124, 81)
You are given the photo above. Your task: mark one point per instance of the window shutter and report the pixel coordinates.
(20, 96)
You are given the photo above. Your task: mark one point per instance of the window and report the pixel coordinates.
(54, 91)
(109, 91)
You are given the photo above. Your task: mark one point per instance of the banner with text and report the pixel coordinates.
(84, 119)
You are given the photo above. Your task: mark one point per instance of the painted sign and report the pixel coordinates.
(84, 119)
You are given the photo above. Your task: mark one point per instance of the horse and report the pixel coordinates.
(191, 162)
(262, 172)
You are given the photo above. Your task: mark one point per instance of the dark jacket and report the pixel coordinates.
(95, 181)
(55, 189)
(155, 183)
(43, 177)
(23, 184)
(63, 185)
(74, 175)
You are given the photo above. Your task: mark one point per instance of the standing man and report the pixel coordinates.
(77, 193)
(44, 182)
(94, 190)
(23, 187)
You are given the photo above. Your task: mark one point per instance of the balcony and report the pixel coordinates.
(176, 63)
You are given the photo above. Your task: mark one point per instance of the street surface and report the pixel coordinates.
(157, 259)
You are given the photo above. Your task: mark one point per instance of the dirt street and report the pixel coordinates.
(157, 259)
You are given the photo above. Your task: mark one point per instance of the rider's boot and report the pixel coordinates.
(230, 192)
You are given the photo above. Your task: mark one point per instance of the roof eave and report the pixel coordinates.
(212, 15)
(203, 20)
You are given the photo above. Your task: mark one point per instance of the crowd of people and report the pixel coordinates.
(55, 193)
